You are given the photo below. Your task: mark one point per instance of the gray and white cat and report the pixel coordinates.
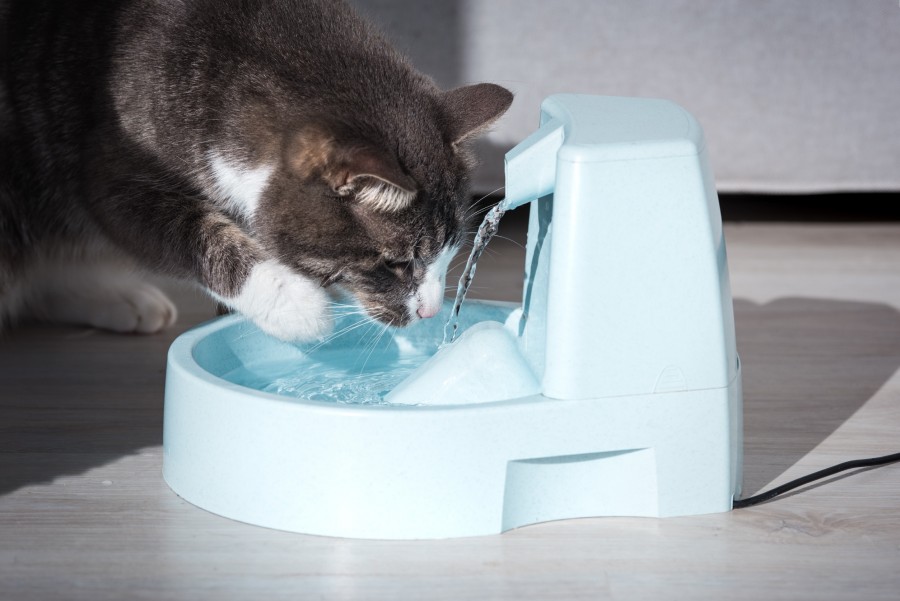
(270, 150)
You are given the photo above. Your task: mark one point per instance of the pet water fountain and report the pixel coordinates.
(613, 390)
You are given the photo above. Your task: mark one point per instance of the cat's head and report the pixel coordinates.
(375, 205)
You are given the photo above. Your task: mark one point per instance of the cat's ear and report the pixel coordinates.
(374, 178)
(472, 109)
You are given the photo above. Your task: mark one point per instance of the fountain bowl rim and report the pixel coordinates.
(182, 358)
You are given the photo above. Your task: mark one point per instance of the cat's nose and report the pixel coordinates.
(426, 311)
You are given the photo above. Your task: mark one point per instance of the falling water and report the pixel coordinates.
(486, 231)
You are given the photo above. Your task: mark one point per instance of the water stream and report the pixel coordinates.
(486, 231)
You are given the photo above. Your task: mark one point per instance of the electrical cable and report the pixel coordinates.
(847, 465)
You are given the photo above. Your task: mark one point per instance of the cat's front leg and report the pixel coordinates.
(238, 273)
(178, 231)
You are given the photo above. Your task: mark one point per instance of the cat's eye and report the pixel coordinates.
(399, 266)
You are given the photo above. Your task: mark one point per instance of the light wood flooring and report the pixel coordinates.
(85, 514)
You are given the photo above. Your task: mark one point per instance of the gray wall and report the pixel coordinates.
(794, 95)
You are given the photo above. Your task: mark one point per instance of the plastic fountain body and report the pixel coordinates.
(613, 389)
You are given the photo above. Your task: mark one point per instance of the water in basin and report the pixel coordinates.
(359, 367)
(332, 379)
(363, 363)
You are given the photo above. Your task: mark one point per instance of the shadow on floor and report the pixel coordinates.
(72, 400)
(809, 365)
(75, 398)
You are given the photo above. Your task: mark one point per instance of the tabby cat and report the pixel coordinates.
(274, 151)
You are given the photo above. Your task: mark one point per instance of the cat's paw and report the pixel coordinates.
(284, 304)
(140, 308)
(109, 302)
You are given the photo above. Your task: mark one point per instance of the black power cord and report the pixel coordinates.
(847, 465)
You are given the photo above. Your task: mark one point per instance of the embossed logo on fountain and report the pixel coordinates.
(671, 379)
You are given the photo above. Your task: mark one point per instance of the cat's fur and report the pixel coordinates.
(268, 149)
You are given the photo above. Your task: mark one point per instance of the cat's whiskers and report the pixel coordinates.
(375, 344)
(368, 321)
(516, 242)
(342, 314)
(369, 338)
(491, 251)
(333, 336)
(466, 245)
(491, 193)
(464, 258)
(244, 335)
(342, 305)
(347, 309)
(341, 310)
(355, 317)
(457, 265)
(472, 214)
(474, 204)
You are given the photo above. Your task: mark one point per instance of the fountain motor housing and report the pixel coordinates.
(627, 288)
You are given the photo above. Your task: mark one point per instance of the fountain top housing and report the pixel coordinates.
(626, 288)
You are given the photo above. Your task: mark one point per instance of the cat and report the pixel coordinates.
(273, 151)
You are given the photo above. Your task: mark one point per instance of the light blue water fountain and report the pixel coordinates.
(613, 389)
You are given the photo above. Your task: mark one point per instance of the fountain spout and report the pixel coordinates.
(531, 165)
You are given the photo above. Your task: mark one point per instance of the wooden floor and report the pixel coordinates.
(84, 513)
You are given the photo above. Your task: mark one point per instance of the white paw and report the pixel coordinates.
(109, 302)
(142, 309)
(283, 303)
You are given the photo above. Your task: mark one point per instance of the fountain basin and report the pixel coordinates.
(411, 472)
